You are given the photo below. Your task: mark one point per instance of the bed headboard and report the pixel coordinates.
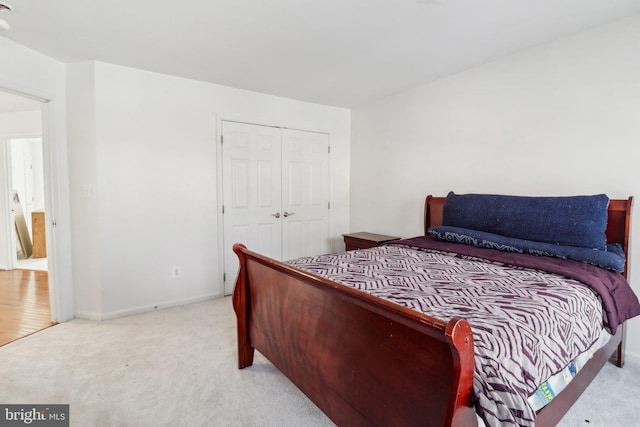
(618, 220)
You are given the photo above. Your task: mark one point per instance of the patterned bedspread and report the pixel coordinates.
(527, 324)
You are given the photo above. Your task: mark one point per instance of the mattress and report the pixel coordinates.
(528, 325)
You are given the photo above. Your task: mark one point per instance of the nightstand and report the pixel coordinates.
(365, 240)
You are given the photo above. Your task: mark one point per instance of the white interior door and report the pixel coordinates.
(251, 157)
(305, 193)
(25, 183)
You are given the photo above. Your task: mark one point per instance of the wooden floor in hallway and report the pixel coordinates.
(24, 303)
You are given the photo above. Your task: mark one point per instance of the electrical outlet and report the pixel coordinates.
(176, 271)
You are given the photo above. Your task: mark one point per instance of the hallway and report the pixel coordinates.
(24, 304)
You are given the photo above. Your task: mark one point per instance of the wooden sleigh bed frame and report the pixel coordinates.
(365, 361)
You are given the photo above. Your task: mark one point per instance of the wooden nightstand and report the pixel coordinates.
(365, 240)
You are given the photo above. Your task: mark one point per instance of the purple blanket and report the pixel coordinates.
(619, 301)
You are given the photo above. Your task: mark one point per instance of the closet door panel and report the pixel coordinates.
(251, 168)
(305, 193)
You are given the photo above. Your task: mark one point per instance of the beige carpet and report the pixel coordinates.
(174, 367)
(177, 367)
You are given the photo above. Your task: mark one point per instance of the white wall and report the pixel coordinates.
(560, 119)
(28, 72)
(153, 171)
(21, 124)
(83, 181)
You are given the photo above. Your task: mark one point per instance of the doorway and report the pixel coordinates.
(23, 254)
(22, 185)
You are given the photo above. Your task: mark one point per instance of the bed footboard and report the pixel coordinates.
(362, 360)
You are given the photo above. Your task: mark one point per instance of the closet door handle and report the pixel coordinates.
(277, 214)
(288, 214)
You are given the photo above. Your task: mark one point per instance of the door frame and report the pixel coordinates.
(7, 217)
(56, 195)
(219, 175)
(5, 201)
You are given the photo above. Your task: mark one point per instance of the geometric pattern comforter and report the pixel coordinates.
(527, 324)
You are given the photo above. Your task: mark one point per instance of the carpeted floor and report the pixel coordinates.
(177, 367)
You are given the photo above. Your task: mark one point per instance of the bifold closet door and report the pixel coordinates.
(275, 193)
(251, 192)
(305, 193)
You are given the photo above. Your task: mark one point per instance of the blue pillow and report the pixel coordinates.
(611, 259)
(570, 221)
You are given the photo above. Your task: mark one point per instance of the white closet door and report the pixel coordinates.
(305, 193)
(251, 157)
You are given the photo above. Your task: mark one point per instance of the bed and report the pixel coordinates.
(365, 360)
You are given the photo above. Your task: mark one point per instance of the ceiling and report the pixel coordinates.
(335, 52)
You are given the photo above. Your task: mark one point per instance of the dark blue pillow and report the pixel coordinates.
(612, 258)
(570, 221)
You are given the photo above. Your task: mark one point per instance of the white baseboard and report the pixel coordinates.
(88, 316)
(145, 309)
